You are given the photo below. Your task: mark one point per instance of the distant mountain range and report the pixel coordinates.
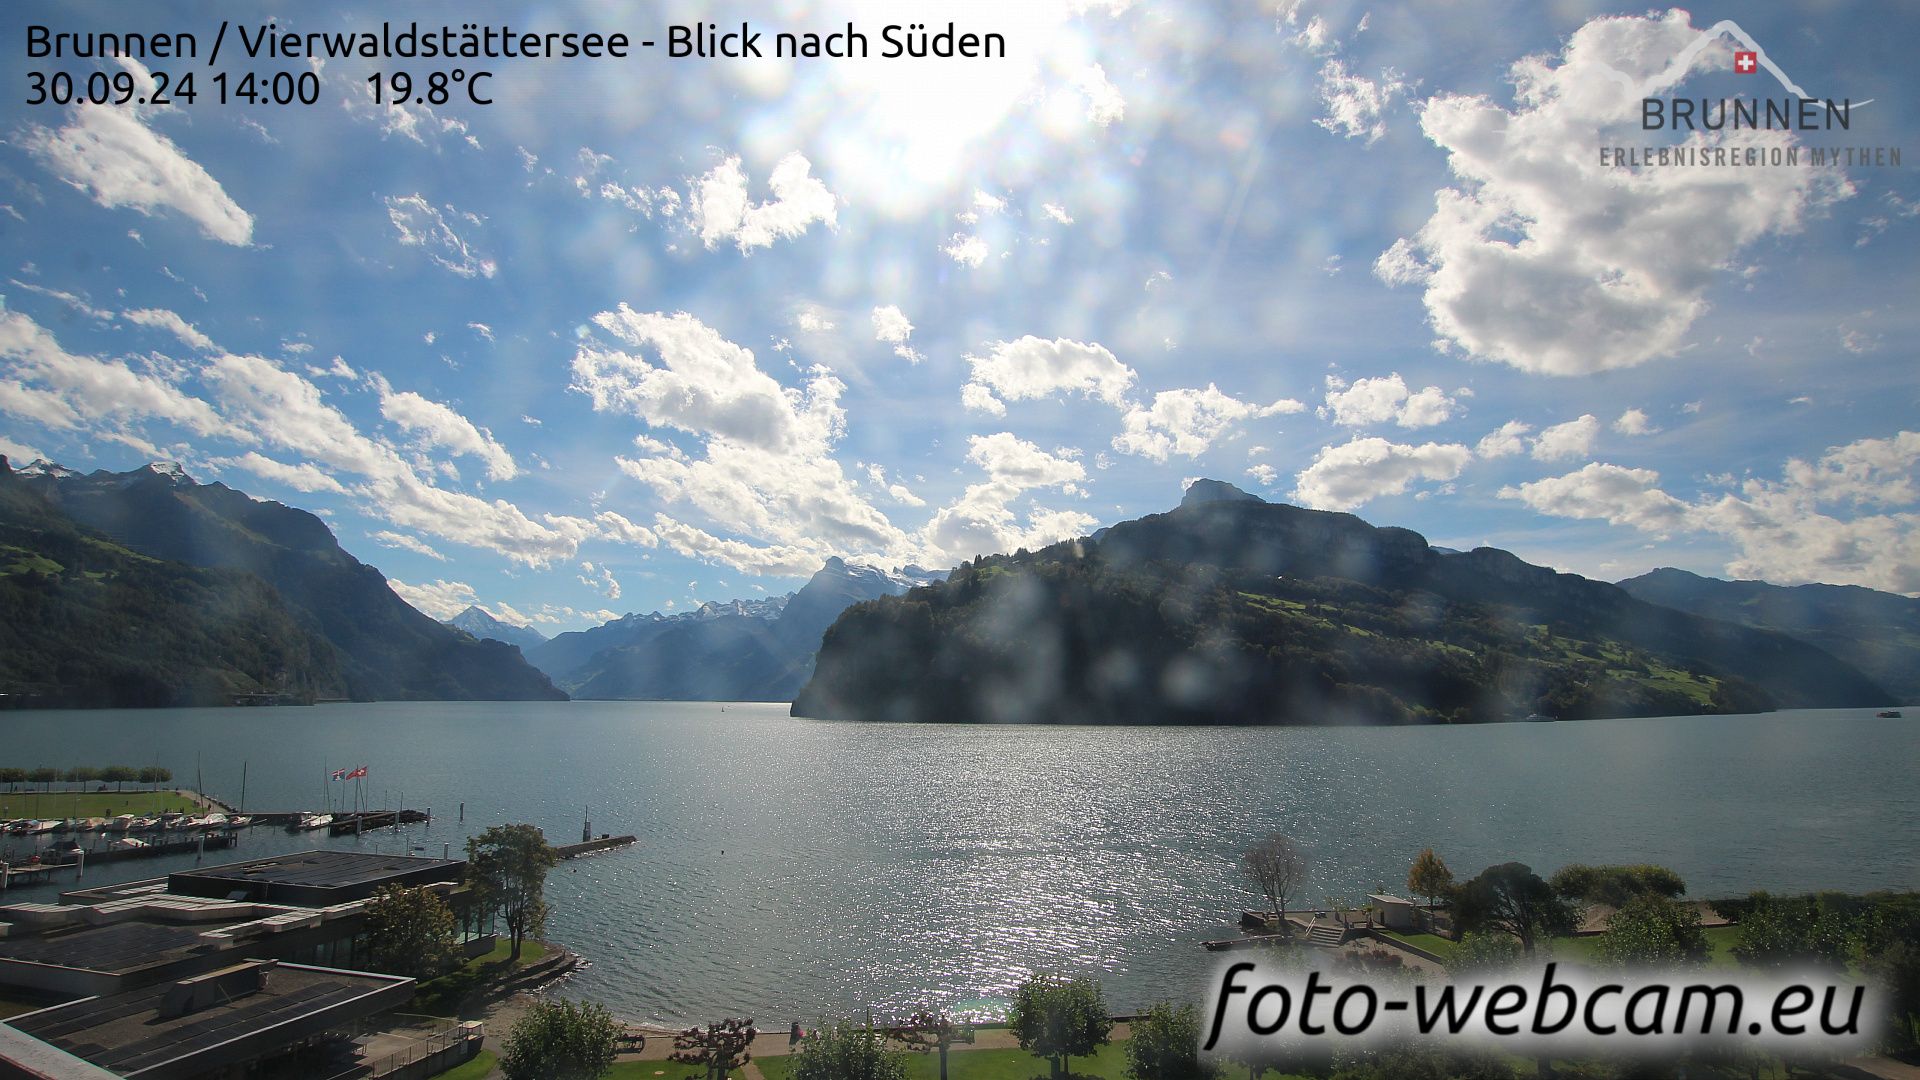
(740, 650)
(1234, 610)
(147, 588)
(485, 627)
(1877, 632)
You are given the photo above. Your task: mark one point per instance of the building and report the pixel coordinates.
(278, 941)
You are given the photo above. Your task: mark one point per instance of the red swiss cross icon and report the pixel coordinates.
(1746, 63)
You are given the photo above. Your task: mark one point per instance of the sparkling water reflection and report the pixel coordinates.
(789, 868)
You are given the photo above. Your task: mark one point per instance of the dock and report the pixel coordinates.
(31, 872)
(588, 847)
(372, 819)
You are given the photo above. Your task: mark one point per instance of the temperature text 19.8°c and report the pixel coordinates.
(436, 88)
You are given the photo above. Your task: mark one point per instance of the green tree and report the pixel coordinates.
(847, 1051)
(118, 775)
(1278, 868)
(81, 775)
(410, 931)
(1615, 886)
(1485, 952)
(561, 1040)
(1782, 932)
(1429, 877)
(1056, 1018)
(1510, 898)
(12, 776)
(1653, 931)
(507, 869)
(155, 775)
(45, 774)
(1165, 1045)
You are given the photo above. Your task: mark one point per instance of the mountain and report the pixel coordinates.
(1233, 610)
(485, 627)
(742, 650)
(90, 623)
(383, 648)
(1877, 632)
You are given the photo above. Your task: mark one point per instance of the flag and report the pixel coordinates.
(357, 773)
(338, 774)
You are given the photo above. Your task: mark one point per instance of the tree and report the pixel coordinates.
(410, 931)
(1511, 898)
(561, 1040)
(1056, 1018)
(1654, 931)
(45, 774)
(13, 776)
(720, 1047)
(1779, 932)
(848, 1051)
(507, 869)
(1278, 869)
(1484, 952)
(1165, 1045)
(929, 1030)
(81, 775)
(1429, 877)
(155, 775)
(118, 775)
(1616, 886)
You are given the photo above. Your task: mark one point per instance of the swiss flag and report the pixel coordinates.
(1746, 63)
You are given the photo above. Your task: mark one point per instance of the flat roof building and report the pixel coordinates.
(313, 878)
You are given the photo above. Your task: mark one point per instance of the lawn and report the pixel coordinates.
(441, 996)
(66, 804)
(1110, 1063)
(476, 1069)
(1433, 943)
(1583, 950)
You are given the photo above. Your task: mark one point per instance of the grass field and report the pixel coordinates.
(482, 1064)
(1109, 1064)
(66, 804)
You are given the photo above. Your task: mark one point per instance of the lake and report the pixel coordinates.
(794, 868)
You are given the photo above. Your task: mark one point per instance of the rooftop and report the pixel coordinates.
(313, 878)
(212, 1021)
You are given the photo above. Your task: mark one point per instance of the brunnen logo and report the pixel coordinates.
(1796, 111)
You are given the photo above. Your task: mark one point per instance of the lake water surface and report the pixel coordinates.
(793, 868)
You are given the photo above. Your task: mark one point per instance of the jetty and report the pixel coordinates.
(31, 872)
(373, 819)
(589, 847)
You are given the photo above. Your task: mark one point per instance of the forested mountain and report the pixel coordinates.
(1877, 632)
(376, 646)
(1233, 610)
(741, 650)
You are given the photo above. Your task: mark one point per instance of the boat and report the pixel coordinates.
(236, 822)
(1889, 714)
(93, 824)
(128, 843)
(210, 821)
(120, 823)
(313, 821)
(144, 824)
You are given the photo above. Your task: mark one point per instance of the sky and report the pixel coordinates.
(647, 332)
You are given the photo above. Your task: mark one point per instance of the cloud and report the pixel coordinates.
(719, 208)
(765, 469)
(440, 600)
(982, 519)
(172, 323)
(1032, 367)
(1634, 422)
(900, 493)
(890, 325)
(1057, 213)
(1607, 493)
(118, 161)
(62, 390)
(1346, 476)
(1380, 400)
(433, 424)
(1504, 441)
(1355, 106)
(1541, 258)
(966, 249)
(600, 579)
(617, 528)
(1571, 439)
(1789, 531)
(403, 542)
(423, 225)
(18, 454)
(301, 477)
(1186, 422)
(1105, 106)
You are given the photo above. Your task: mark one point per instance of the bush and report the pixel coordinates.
(1057, 1018)
(847, 1051)
(1166, 1046)
(561, 1040)
(1653, 931)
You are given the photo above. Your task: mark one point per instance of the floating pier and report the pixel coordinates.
(588, 847)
